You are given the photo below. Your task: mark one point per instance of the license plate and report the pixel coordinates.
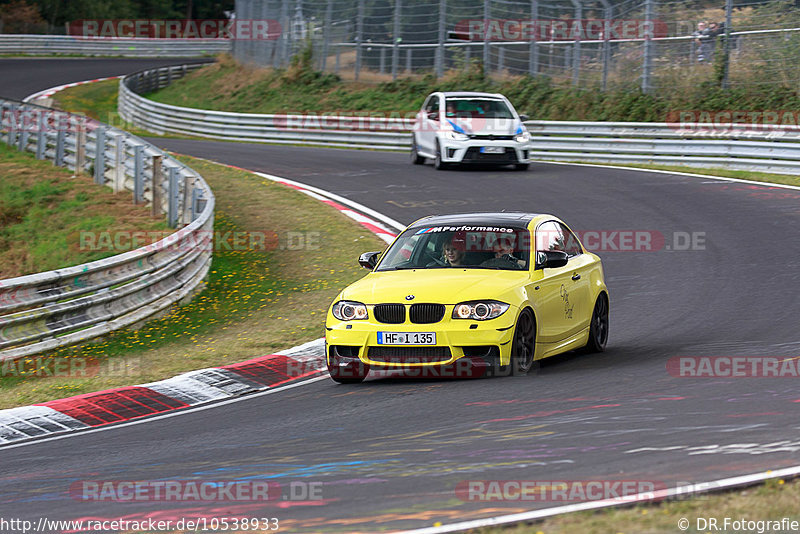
(493, 150)
(406, 338)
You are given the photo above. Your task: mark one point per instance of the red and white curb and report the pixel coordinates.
(47, 93)
(188, 389)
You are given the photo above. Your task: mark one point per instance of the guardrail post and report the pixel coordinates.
(59, 159)
(12, 126)
(119, 163)
(197, 197)
(156, 185)
(138, 173)
(408, 60)
(173, 190)
(338, 54)
(23, 130)
(80, 148)
(382, 59)
(100, 155)
(188, 186)
(41, 136)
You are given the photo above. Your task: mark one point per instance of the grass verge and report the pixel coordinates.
(772, 501)
(44, 209)
(258, 299)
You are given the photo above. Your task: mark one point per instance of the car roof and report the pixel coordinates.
(478, 219)
(470, 94)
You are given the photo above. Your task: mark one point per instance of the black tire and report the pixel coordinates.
(354, 374)
(521, 166)
(524, 345)
(416, 159)
(437, 162)
(598, 329)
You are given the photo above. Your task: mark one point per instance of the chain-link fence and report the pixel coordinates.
(588, 43)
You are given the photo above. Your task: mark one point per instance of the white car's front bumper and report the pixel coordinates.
(475, 151)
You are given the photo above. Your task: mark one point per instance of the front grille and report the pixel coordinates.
(390, 313)
(492, 137)
(426, 313)
(474, 154)
(409, 354)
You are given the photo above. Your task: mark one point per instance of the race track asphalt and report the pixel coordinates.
(390, 453)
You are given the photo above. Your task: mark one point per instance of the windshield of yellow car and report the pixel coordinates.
(461, 246)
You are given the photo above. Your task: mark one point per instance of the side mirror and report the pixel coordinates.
(369, 260)
(550, 259)
(433, 115)
(524, 118)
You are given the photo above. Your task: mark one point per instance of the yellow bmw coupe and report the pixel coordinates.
(469, 295)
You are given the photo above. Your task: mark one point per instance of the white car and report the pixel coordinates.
(462, 127)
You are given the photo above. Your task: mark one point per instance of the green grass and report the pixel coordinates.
(44, 209)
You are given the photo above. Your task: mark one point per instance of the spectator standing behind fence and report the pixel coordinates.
(703, 41)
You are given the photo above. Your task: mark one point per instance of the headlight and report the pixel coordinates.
(523, 137)
(479, 310)
(455, 136)
(346, 310)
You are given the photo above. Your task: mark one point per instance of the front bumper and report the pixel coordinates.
(456, 340)
(473, 151)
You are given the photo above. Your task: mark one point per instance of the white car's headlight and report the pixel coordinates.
(455, 136)
(523, 137)
(347, 310)
(479, 310)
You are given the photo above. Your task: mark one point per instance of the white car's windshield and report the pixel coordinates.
(487, 108)
(460, 246)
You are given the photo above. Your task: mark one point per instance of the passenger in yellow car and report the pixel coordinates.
(453, 252)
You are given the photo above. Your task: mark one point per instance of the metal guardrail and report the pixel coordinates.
(774, 149)
(108, 46)
(46, 310)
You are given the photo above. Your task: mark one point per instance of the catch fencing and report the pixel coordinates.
(47, 310)
(588, 43)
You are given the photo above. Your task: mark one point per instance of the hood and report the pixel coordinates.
(444, 286)
(476, 126)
